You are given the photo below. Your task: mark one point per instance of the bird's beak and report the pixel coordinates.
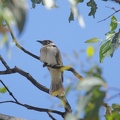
(40, 41)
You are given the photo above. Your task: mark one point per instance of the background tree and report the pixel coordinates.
(91, 93)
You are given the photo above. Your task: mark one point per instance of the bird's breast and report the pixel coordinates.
(48, 55)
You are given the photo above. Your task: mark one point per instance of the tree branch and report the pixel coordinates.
(10, 93)
(35, 108)
(29, 106)
(35, 83)
(110, 15)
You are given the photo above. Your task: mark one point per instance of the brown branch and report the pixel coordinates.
(27, 75)
(35, 108)
(4, 63)
(17, 44)
(109, 15)
(35, 83)
(51, 116)
(29, 106)
(10, 93)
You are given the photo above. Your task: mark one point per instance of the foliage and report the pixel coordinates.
(88, 105)
(111, 43)
(13, 12)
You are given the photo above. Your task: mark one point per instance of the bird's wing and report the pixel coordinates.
(59, 59)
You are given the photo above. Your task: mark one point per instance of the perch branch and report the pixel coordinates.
(35, 83)
(29, 106)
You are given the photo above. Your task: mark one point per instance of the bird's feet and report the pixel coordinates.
(45, 64)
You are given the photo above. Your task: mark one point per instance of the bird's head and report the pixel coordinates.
(46, 42)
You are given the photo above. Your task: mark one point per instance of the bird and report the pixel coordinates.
(50, 55)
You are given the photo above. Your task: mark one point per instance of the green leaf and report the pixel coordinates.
(3, 90)
(116, 107)
(93, 40)
(105, 50)
(93, 6)
(110, 35)
(18, 9)
(94, 104)
(115, 42)
(88, 83)
(71, 17)
(113, 24)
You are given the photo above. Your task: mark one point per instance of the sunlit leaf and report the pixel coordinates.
(93, 6)
(3, 90)
(90, 51)
(109, 35)
(90, 82)
(113, 116)
(113, 24)
(93, 40)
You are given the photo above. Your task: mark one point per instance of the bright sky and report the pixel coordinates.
(53, 24)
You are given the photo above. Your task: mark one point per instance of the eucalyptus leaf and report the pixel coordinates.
(18, 9)
(93, 40)
(113, 24)
(93, 6)
(88, 83)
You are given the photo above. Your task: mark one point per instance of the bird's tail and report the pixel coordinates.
(56, 88)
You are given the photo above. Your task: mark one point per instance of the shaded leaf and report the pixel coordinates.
(34, 2)
(3, 90)
(93, 106)
(115, 42)
(93, 6)
(71, 17)
(18, 9)
(113, 24)
(93, 40)
(116, 107)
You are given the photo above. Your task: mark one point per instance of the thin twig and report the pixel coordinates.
(18, 45)
(51, 116)
(10, 93)
(35, 108)
(27, 75)
(109, 15)
(35, 83)
(4, 63)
